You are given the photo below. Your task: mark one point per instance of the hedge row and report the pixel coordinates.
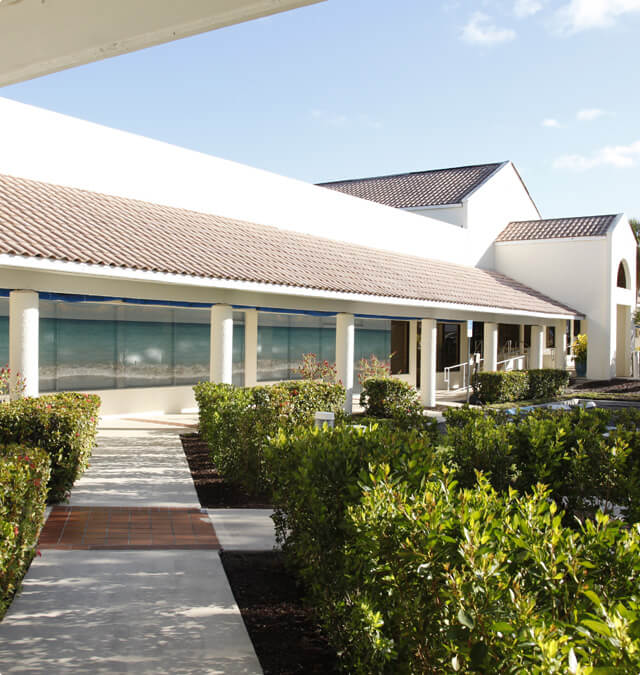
(63, 425)
(412, 574)
(586, 457)
(387, 397)
(519, 385)
(24, 473)
(237, 422)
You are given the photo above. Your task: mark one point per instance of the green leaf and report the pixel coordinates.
(465, 619)
(478, 654)
(503, 627)
(597, 626)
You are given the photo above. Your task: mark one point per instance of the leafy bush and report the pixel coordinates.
(547, 383)
(568, 451)
(579, 348)
(519, 385)
(388, 397)
(373, 367)
(64, 425)
(411, 574)
(236, 422)
(24, 473)
(501, 386)
(311, 368)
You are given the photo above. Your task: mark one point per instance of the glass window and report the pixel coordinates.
(399, 347)
(448, 353)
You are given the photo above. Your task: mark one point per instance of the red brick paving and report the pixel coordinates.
(123, 527)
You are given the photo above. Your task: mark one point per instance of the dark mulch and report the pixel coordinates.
(282, 629)
(285, 637)
(615, 386)
(212, 490)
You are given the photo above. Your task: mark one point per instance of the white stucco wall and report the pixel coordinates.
(583, 274)
(454, 215)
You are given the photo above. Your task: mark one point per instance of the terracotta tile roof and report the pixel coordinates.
(423, 188)
(68, 224)
(557, 228)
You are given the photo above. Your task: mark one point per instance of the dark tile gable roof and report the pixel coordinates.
(68, 224)
(423, 188)
(557, 228)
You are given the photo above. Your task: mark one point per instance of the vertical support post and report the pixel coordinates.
(413, 352)
(24, 339)
(560, 360)
(221, 360)
(490, 346)
(536, 356)
(428, 363)
(345, 352)
(250, 347)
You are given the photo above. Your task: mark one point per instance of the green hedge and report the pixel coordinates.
(389, 397)
(519, 385)
(237, 422)
(64, 425)
(411, 574)
(572, 452)
(24, 473)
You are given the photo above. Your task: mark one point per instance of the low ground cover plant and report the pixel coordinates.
(64, 425)
(237, 422)
(411, 573)
(519, 385)
(24, 474)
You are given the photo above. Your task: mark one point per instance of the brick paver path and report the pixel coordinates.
(127, 528)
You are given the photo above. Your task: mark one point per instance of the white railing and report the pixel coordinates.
(512, 363)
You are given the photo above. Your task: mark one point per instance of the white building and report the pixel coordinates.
(134, 268)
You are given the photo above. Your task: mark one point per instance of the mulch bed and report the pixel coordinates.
(213, 492)
(615, 386)
(283, 631)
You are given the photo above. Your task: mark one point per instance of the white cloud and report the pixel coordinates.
(525, 8)
(589, 114)
(580, 15)
(481, 30)
(329, 118)
(618, 156)
(550, 122)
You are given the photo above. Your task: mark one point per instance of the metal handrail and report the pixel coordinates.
(464, 366)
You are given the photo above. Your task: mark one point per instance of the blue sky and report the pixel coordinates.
(352, 88)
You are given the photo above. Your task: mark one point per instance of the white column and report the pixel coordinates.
(561, 345)
(221, 360)
(490, 346)
(536, 351)
(250, 347)
(345, 352)
(413, 352)
(24, 337)
(428, 363)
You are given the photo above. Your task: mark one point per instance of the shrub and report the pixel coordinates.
(579, 348)
(311, 368)
(411, 574)
(373, 367)
(24, 473)
(236, 422)
(502, 386)
(64, 425)
(519, 385)
(388, 397)
(547, 383)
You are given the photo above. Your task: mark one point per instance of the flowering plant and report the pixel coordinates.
(6, 387)
(373, 367)
(579, 348)
(311, 368)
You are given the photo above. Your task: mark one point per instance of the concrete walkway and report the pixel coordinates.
(130, 609)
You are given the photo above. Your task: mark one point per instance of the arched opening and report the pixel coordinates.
(622, 275)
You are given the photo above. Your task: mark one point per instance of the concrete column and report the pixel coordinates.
(413, 352)
(221, 360)
(428, 363)
(250, 347)
(24, 338)
(561, 345)
(536, 351)
(345, 352)
(490, 346)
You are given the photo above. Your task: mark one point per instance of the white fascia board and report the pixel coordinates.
(91, 270)
(38, 37)
(551, 240)
(435, 206)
